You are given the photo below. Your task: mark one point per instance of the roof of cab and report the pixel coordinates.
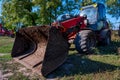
(92, 5)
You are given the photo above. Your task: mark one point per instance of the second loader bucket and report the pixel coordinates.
(41, 48)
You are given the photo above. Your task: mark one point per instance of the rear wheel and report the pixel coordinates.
(85, 42)
(119, 31)
(107, 40)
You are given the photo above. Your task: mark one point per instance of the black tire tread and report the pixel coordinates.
(81, 43)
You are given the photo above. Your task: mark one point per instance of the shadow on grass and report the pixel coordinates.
(80, 65)
(101, 50)
(75, 65)
(111, 49)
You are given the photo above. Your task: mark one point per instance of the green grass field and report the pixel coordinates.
(6, 44)
(103, 65)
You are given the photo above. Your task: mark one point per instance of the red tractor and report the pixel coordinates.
(87, 28)
(44, 48)
(6, 32)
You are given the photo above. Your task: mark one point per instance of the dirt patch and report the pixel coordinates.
(1, 54)
(12, 70)
(1, 77)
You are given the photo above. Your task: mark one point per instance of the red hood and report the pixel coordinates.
(72, 22)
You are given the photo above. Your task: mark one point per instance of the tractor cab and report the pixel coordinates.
(95, 14)
(64, 17)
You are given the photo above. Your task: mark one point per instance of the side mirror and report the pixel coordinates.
(85, 16)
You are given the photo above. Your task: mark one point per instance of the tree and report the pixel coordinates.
(113, 7)
(22, 12)
(47, 11)
(70, 6)
(86, 2)
(17, 13)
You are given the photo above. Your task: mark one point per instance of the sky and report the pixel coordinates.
(109, 17)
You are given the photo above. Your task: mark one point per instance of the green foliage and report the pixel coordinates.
(48, 10)
(16, 13)
(68, 7)
(86, 2)
(113, 7)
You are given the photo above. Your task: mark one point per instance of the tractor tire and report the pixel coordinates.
(85, 41)
(119, 31)
(107, 40)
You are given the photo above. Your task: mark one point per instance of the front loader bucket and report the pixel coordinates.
(41, 49)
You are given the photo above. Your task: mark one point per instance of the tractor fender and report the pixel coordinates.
(105, 32)
(100, 25)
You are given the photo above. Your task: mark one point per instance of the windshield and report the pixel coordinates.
(64, 17)
(91, 13)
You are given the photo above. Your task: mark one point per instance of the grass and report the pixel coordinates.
(91, 67)
(6, 48)
(6, 44)
(103, 65)
(5, 57)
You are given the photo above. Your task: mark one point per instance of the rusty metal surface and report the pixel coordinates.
(41, 49)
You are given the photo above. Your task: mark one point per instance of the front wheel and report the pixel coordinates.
(85, 42)
(119, 31)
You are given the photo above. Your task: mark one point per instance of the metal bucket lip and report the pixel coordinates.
(55, 33)
(60, 46)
